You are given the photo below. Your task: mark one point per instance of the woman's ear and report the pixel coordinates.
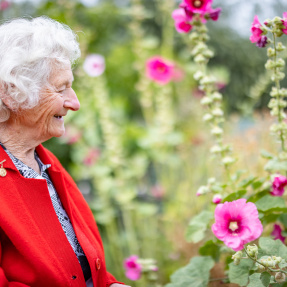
(4, 96)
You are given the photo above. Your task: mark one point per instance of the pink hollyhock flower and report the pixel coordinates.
(284, 22)
(237, 223)
(278, 185)
(277, 233)
(72, 135)
(256, 30)
(159, 70)
(181, 21)
(94, 65)
(157, 191)
(4, 5)
(214, 14)
(217, 198)
(196, 6)
(91, 157)
(133, 269)
(262, 42)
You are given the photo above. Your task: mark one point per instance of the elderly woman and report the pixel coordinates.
(48, 236)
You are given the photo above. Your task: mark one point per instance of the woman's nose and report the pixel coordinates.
(71, 102)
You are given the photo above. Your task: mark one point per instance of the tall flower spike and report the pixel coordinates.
(256, 30)
(237, 223)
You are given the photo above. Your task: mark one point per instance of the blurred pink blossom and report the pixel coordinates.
(94, 65)
(72, 135)
(159, 70)
(4, 5)
(284, 22)
(157, 191)
(214, 14)
(217, 198)
(277, 233)
(91, 157)
(256, 30)
(181, 21)
(278, 185)
(133, 269)
(196, 6)
(178, 74)
(237, 223)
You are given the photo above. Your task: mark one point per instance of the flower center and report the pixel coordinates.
(233, 226)
(197, 3)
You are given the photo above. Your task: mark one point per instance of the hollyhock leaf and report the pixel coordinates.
(271, 203)
(254, 280)
(195, 274)
(258, 183)
(239, 274)
(274, 165)
(269, 218)
(265, 279)
(283, 218)
(272, 247)
(210, 249)
(235, 195)
(266, 154)
(247, 181)
(255, 197)
(197, 226)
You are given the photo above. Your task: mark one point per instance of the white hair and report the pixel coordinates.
(29, 48)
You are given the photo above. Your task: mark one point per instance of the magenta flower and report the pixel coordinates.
(278, 185)
(133, 269)
(196, 6)
(237, 223)
(4, 5)
(216, 198)
(214, 14)
(262, 42)
(277, 233)
(91, 157)
(159, 70)
(181, 21)
(284, 22)
(94, 65)
(256, 30)
(72, 135)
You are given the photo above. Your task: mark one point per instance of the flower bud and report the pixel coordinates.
(237, 257)
(270, 52)
(277, 20)
(280, 277)
(216, 96)
(228, 160)
(206, 101)
(276, 259)
(260, 268)
(217, 112)
(198, 75)
(199, 58)
(211, 180)
(252, 250)
(207, 117)
(268, 23)
(270, 262)
(198, 49)
(207, 80)
(217, 131)
(269, 65)
(208, 53)
(202, 190)
(280, 63)
(217, 198)
(216, 149)
(280, 47)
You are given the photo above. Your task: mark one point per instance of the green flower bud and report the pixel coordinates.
(276, 259)
(269, 65)
(270, 262)
(280, 47)
(208, 54)
(216, 149)
(279, 76)
(211, 180)
(280, 63)
(199, 59)
(268, 23)
(198, 49)
(216, 96)
(217, 131)
(283, 92)
(252, 250)
(277, 20)
(207, 80)
(272, 103)
(236, 261)
(228, 160)
(260, 268)
(202, 190)
(218, 112)
(206, 101)
(237, 255)
(274, 92)
(194, 36)
(202, 29)
(207, 117)
(280, 277)
(198, 75)
(278, 32)
(270, 52)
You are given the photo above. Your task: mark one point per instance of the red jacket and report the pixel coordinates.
(34, 250)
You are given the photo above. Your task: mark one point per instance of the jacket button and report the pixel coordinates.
(98, 264)
(74, 277)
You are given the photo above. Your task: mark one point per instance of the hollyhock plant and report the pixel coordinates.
(284, 22)
(278, 185)
(256, 30)
(181, 21)
(133, 269)
(237, 223)
(94, 65)
(277, 233)
(159, 70)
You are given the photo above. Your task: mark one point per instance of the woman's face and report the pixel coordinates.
(46, 120)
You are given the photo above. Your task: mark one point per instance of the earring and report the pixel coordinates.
(3, 171)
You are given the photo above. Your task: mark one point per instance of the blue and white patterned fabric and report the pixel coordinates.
(63, 217)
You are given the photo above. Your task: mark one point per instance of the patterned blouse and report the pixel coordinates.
(63, 217)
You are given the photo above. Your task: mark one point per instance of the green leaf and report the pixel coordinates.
(239, 274)
(247, 181)
(266, 154)
(283, 218)
(197, 226)
(254, 281)
(235, 195)
(258, 183)
(273, 247)
(255, 197)
(265, 279)
(195, 274)
(271, 203)
(210, 248)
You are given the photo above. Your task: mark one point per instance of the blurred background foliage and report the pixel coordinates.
(138, 151)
